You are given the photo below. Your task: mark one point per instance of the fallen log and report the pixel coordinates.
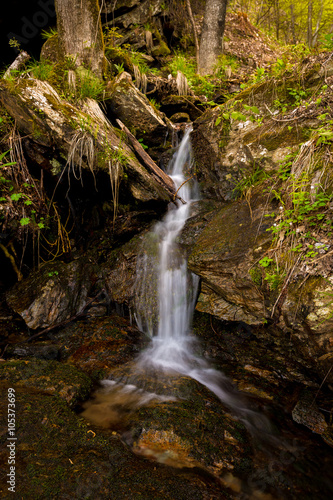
(147, 161)
(21, 59)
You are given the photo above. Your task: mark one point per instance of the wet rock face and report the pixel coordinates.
(170, 418)
(226, 253)
(120, 272)
(223, 256)
(96, 345)
(53, 294)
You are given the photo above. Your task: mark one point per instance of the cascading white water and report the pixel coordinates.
(176, 287)
(166, 301)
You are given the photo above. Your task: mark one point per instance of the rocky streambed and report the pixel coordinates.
(182, 442)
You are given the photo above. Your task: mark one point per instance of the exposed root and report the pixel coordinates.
(82, 149)
(182, 84)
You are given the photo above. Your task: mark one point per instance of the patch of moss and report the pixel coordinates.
(277, 137)
(61, 379)
(256, 275)
(61, 456)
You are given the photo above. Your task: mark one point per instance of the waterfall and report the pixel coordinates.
(167, 290)
(165, 300)
(166, 294)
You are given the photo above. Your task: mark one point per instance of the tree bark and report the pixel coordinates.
(319, 18)
(212, 35)
(80, 33)
(20, 61)
(309, 33)
(277, 18)
(292, 20)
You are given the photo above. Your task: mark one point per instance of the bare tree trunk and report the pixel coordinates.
(212, 35)
(196, 43)
(319, 18)
(80, 33)
(277, 18)
(292, 18)
(309, 33)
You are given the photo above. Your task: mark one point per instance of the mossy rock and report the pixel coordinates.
(52, 377)
(97, 345)
(276, 136)
(184, 424)
(161, 50)
(59, 456)
(50, 50)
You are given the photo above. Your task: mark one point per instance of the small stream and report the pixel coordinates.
(171, 348)
(165, 303)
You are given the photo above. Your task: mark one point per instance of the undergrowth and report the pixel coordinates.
(26, 211)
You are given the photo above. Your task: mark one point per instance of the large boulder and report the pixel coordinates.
(133, 108)
(223, 256)
(240, 282)
(53, 294)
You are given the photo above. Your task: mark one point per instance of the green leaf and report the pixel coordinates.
(16, 196)
(25, 221)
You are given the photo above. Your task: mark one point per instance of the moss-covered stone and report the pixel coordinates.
(52, 377)
(59, 456)
(98, 345)
(184, 425)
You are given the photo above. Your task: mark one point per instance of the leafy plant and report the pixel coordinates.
(90, 86)
(43, 69)
(298, 94)
(182, 63)
(49, 33)
(119, 68)
(224, 65)
(327, 41)
(142, 144)
(265, 261)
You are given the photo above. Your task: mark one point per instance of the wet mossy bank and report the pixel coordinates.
(59, 456)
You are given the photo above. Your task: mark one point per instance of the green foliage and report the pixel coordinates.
(53, 273)
(49, 33)
(226, 64)
(43, 69)
(203, 85)
(265, 262)
(25, 221)
(90, 86)
(119, 68)
(327, 41)
(20, 202)
(272, 275)
(298, 94)
(14, 44)
(139, 61)
(110, 35)
(142, 144)
(246, 183)
(182, 63)
(154, 103)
